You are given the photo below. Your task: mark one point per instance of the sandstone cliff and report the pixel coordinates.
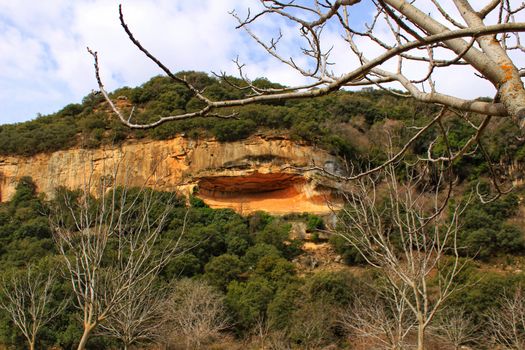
(258, 173)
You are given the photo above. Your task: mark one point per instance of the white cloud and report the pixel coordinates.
(46, 45)
(45, 65)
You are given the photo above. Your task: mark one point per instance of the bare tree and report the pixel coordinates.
(195, 313)
(110, 246)
(382, 320)
(401, 228)
(140, 320)
(456, 327)
(26, 298)
(507, 321)
(264, 338)
(313, 324)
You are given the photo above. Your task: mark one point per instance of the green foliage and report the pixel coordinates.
(349, 253)
(25, 235)
(25, 191)
(248, 301)
(314, 223)
(91, 124)
(249, 259)
(276, 233)
(283, 305)
(233, 130)
(257, 252)
(478, 291)
(484, 231)
(278, 271)
(333, 288)
(185, 265)
(223, 269)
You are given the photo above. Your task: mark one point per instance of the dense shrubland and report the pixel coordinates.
(90, 123)
(245, 270)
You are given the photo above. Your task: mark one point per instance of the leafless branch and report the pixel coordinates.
(507, 321)
(26, 298)
(429, 33)
(390, 229)
(84, 226)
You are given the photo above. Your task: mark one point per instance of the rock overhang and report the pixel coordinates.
(258, 173)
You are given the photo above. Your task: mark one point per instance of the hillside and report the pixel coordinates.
(318, 121)
(352, 126)
(255, 245)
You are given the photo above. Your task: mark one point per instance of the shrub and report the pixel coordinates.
(248, 301)
(223, 269)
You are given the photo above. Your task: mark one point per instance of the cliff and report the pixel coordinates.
(258, 173)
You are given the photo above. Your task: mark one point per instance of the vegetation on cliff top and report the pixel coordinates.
(351, 125)
(91, 124)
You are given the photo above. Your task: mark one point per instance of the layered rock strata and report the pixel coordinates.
(258, 173)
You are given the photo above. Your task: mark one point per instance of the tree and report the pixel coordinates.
(483, 37)
(195, 312)
(110, 245)
(507, 321)
(382, 320)
(223, 269)
(400, 227)
(27, 298)
(313, 324)
(456, 327)
(140, 319)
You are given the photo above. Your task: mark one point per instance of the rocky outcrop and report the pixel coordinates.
(259, 173)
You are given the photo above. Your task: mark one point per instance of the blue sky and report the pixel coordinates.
(44, 63)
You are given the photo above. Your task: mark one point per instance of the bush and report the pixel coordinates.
(233, 130)
(314, 223)
(333, 288)
(223, 269)
(283, 305)
(248, 301)
(257, 252)
(277, 270)
(348, 252)
(484, 232)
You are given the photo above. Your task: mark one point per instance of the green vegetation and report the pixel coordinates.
(250, 264)
(90, 123)
(247, 261)
(485, 231)
(350, 125)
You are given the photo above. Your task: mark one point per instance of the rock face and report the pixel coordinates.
(259, 173)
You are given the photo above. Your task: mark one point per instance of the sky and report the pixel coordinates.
(44, 64)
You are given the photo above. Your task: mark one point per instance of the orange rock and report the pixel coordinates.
(254, 174)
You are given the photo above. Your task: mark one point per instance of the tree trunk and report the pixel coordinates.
(32, 345)
(420, 337)
(85, 337)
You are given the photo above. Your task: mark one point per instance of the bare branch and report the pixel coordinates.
(102, 282)
(26, 298)
(325, 85)
(392, 232)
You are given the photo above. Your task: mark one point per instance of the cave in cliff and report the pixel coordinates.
(277, 193)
